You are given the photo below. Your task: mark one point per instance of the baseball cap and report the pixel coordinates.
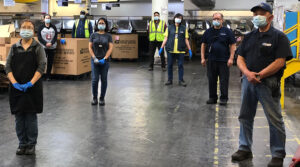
(263, 6)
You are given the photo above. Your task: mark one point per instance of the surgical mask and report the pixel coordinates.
(101, 26)
(216, 23)
(156, 18)
(259, 21)
(177, 20)
(26, 34)
(47, 21)
(82, 16)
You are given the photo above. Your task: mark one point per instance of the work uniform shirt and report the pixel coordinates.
(176, 40)
(80, 33)
(218, 43)
(100, 44)
(260, 49)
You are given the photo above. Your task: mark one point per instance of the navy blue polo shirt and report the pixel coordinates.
(260, 49)
(218, 42)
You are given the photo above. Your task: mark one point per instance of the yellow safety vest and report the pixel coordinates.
(86, 28)
(158, 33)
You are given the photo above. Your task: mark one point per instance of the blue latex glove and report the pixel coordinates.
(160, 51)
(26, 86)
(191, 54)
(18, 86)
(102, 61)
(62, 41)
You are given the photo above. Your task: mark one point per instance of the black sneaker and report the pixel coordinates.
(94, 101)
(150, 69)
(21, 150)
(102, 102)
(169, 83)
(182, 83)
(241, 155)
(276, 162)
(223, 102)
(30, 150)
(211, 101)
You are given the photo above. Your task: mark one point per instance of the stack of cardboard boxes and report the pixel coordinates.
(6, 32)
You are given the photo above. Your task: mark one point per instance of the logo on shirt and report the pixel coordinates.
(223, 34)
(267, 44)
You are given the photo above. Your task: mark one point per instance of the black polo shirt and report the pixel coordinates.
(218, 42)
(260, 49)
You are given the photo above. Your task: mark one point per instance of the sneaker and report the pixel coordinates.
(182, 83)
(21, 150)
(94, 101)
(223, 102)
(168, 83)
(276, 162)
(30, 150)
(241, 155)
(150, 69)
(102, 102)
(164, 69)
(211, 101)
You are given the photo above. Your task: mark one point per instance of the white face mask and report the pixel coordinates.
(259, 21)
(82, 16)
(177, 20)
(156, 18)
(47, 21)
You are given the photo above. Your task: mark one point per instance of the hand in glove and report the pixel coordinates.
(160, 51)
(26, 86)
(18, 86)
(102, 61)
(191, 54)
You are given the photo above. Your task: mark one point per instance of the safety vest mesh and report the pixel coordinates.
(86, 28)
(156, 34)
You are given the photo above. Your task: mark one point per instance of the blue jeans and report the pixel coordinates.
(97, 71)
(268, 94)
(26, 129)
(171, 58)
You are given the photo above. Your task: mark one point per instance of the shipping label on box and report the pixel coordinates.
(125, 46)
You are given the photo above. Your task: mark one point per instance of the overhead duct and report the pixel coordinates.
(204, 4)
(26, 1)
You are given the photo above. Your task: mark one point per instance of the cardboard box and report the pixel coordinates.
(73, 58)
(4, 50)
(4, 40)
(7, 30)
(125, 46)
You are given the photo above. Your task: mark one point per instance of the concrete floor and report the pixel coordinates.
(144, 123)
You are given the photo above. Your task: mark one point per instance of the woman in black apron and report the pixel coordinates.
(25, 65)
(100, 47)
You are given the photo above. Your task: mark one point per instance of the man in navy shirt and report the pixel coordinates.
(82, 27)
(220, 44)
(261, 58)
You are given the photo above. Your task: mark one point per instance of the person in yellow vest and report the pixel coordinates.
(156, 30)
(82, 27)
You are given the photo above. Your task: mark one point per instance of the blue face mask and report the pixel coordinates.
(177, 20)
(156, 18)
(47, 21)
(259, 21)
(101, 26)
(26, 34)
(216, 23)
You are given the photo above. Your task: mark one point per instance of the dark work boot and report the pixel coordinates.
(211, 101)
(182, 83)
(94, 101)
(223, 102)
(241, 155)
(30, 150)
(150, 69)
(168, 83)
(101, 102)
(164, 69)
(21, 150)
(276, 162)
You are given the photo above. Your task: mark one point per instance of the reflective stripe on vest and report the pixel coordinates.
(86, 28)
(156, 34)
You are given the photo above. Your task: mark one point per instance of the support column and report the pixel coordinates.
(160, 6)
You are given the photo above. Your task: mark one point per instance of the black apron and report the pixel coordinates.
(24, 66)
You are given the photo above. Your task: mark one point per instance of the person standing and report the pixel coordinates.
(82, 27)
(47, 36)
(262, 58)
(176, 40)
(156, 30)
(25, 65)
(100, 47)
(220, 42)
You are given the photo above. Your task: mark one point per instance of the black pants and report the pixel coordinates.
(50, 57)
(152, 48)
(217, 69)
